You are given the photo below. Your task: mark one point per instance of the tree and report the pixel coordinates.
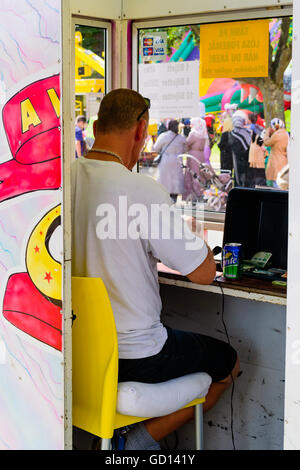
(272, 86)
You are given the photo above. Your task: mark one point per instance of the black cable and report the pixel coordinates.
(175, 447)
(228, 340)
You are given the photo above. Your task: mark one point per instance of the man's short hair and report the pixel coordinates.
(80, 119)
(120, 109)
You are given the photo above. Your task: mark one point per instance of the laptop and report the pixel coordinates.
(258, 219)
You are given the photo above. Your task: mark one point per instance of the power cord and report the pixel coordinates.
(232, 388)
(228, 340)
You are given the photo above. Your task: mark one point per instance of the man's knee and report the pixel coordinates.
(233, 375)
(236, 370)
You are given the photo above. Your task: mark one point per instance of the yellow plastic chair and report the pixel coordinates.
(95, 365)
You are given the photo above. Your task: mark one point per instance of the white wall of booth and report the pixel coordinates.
(133, 10)
(41, 372)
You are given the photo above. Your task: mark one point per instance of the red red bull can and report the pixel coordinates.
(232, 260)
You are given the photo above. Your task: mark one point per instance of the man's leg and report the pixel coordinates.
(187, 352)
(158, 428)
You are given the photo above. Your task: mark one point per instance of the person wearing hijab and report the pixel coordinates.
(170, 174)
(197, 146)
(277, 138)
(240, 139)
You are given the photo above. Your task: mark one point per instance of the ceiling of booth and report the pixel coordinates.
(137, 9)
(141, 9)
(110, 10)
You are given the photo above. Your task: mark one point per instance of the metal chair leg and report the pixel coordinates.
(105, 444)
(199, 426)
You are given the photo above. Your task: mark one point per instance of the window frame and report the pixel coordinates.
(205, 18)
(106, 26)
(68, 151)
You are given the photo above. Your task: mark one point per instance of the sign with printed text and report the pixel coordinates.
(154, 47)
(239, 49)
(172, 87)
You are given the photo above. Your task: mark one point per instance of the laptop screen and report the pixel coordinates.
(258, 219)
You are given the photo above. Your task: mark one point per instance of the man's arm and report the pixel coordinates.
(205, 273)
(187, 254)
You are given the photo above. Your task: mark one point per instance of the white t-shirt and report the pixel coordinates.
(116, 237)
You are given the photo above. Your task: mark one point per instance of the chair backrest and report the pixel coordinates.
(95, 358)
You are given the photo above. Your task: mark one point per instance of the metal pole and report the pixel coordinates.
(199, 426)
(105, 444)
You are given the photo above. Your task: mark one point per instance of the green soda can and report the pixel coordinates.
(232, 260)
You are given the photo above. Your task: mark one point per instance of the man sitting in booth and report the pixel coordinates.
(117, 237)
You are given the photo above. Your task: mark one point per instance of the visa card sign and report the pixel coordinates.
(154, 47)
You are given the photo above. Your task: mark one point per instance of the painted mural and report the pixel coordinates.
(31, 239)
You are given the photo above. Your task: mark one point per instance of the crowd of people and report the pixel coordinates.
(253, 155)
(187, 136)
(250, 153)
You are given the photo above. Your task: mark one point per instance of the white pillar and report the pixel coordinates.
(292, 384)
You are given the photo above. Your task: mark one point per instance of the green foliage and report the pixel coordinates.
(93, 39)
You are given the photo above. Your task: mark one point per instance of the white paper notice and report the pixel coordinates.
(172, 87)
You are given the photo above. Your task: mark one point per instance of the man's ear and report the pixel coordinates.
(95, 123)
(141, 129)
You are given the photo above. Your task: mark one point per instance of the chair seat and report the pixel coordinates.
(125, 420)
(152, 400)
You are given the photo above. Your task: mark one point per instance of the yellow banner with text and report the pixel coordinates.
(237, 49)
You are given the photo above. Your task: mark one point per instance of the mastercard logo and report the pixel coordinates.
(148, 42)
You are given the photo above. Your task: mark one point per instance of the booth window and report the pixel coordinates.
(215, 72)
(90, 79)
